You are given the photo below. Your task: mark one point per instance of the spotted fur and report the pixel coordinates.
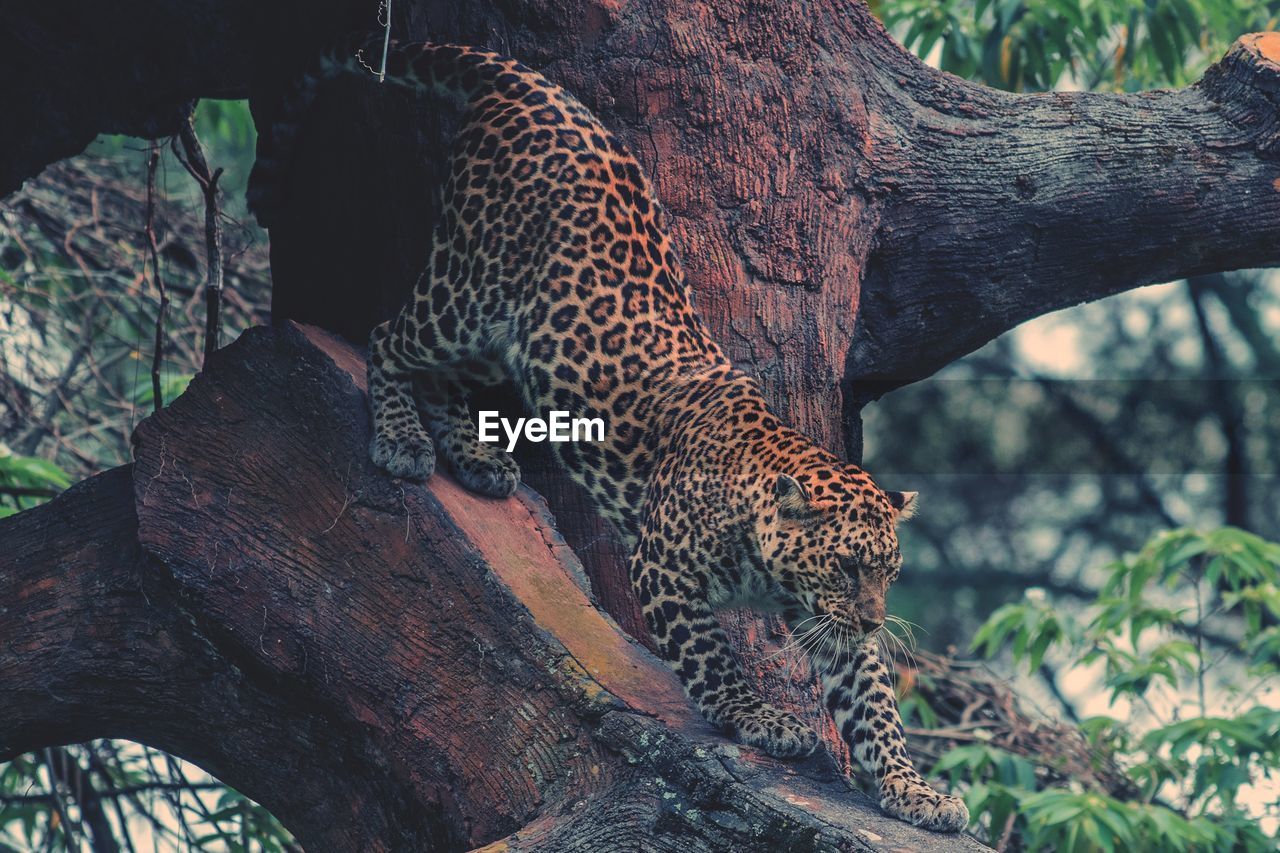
(552, 265)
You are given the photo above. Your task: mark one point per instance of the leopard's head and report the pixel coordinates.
(828, 536)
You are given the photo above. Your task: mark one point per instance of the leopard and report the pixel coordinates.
(552, 267)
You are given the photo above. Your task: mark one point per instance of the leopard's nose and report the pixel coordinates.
(870, 625)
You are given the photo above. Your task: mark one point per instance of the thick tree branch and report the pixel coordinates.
(254, 596)
(999, 208)
(96, 641)
(75, 70)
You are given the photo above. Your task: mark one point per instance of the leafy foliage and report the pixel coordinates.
(1038, 45)
(1185, 721)
(139, 792)
(1188, 755)
(26, 481)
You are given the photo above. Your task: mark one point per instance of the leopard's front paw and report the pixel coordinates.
(921, 805)
(491, 473)
(410, 456)
(777, 732)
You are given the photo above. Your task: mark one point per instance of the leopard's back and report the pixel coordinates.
(552, 257)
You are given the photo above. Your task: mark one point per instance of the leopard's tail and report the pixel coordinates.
(462, 73)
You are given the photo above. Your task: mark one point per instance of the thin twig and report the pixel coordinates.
(1051, 681)
(69, 830)
(69, 773)
(172, 792)
(30, 441)
(28, 492)
(386, 41)
(99, 768)
(198, 167)
(157, 357)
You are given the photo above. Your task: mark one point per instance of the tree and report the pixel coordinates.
(873, 219)
(1030, 478)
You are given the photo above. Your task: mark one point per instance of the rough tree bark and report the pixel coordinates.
(850, 220)
(385, 667)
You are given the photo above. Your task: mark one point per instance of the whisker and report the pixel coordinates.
(819, 651)
(796, 627)
(907, 629)
(810, 642)
(907, 656)
(906, 623)
(832, 642)
(817, 640)
(779, 653)
(911, 658)
(844, 643)
(886, 640)
(899, 648)
(806, 646)
(885, 655)
(905, 626)
(821, 622)
(890, 619)
(799, 639)
(906, 639)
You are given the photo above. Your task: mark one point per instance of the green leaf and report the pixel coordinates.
(1165, 49)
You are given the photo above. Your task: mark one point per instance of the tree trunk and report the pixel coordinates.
(849, 219)
(383, 666)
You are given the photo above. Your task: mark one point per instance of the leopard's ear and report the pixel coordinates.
(793, 498)
(904, 504)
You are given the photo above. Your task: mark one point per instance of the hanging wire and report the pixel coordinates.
(384, 8)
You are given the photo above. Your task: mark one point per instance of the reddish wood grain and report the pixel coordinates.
(385, 665)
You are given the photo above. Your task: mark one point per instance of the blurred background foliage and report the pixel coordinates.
(78, 297)
(1103, 45)
(1093, 488)
(1100, 486)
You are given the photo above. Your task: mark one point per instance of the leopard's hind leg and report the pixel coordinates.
(482, 467)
